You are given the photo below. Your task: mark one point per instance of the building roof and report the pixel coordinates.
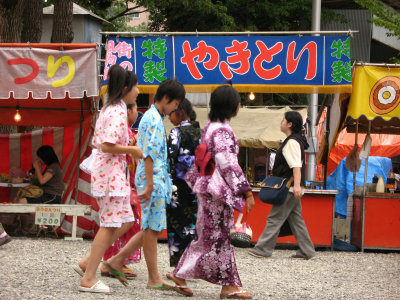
(76, 10)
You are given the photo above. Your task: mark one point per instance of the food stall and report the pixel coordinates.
(54, 86)
(374, 108)
(256, 143)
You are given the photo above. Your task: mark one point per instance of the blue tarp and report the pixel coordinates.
(342, 179)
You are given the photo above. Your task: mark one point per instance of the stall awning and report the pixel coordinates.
(375, 98)
(49, 84)
(254, 127)
(46, 112)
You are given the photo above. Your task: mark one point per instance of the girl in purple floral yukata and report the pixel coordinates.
(210, 256)
(110, 179)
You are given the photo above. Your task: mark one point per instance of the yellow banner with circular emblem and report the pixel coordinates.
(376, 93)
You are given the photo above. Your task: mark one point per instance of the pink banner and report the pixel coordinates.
(40, 73)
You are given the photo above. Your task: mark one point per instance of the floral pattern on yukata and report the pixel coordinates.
(227, 183)
(124, 239)
(182, 211)
(109, 170)
(152, 140)
(113, 211)
(210, 256)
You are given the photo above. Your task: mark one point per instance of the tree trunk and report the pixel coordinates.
(11, 20)
(62, 22)
(33, 16)
(2, 23)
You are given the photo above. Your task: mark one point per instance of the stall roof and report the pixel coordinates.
(76, 10)
(254, 127)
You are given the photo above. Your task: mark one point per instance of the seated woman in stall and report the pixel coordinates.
(50, 180)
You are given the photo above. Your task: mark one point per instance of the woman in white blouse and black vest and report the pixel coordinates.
(289, 161)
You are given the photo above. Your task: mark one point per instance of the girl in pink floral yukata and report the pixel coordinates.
(110, 176)
(210, 256)
(135, 229)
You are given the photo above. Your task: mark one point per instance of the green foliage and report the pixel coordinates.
(109, 10)
(383, 17)
(232, 15)
(183, 15)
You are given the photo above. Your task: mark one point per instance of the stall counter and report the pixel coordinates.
(318, 213)
(381, 221)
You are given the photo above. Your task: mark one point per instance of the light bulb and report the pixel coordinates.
(17, 116)
(252, 96)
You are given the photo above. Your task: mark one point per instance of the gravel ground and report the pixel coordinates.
(32, 268)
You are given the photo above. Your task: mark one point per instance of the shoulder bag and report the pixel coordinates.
(274, 190)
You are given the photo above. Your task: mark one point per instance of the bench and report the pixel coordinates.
(73, 210)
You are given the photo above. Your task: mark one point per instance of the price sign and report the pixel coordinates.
(47, 215)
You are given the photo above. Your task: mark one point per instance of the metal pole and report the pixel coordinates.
(247, 163)
(364, 190)
(198, 33)
(313, 103)
(355, 145)
(327, 132)
(376, 64)
(79, 153)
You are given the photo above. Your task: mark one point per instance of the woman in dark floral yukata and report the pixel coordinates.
(210, 256)
(182, 211)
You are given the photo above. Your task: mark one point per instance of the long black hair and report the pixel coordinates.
(186, 108)
(224, 103)
(47, 154)
(297, 121)
(118, 79)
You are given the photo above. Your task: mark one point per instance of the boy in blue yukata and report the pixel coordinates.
(153, 174)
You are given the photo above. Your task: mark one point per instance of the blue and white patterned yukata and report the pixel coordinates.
(152, 140)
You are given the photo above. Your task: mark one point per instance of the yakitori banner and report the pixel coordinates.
(300, 64)
(40, 73)
(376, 92)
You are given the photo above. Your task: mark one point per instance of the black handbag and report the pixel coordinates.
(274, 190)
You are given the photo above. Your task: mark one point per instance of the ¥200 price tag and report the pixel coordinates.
(47, 216)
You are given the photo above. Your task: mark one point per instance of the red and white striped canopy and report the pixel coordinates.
(18, 150)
